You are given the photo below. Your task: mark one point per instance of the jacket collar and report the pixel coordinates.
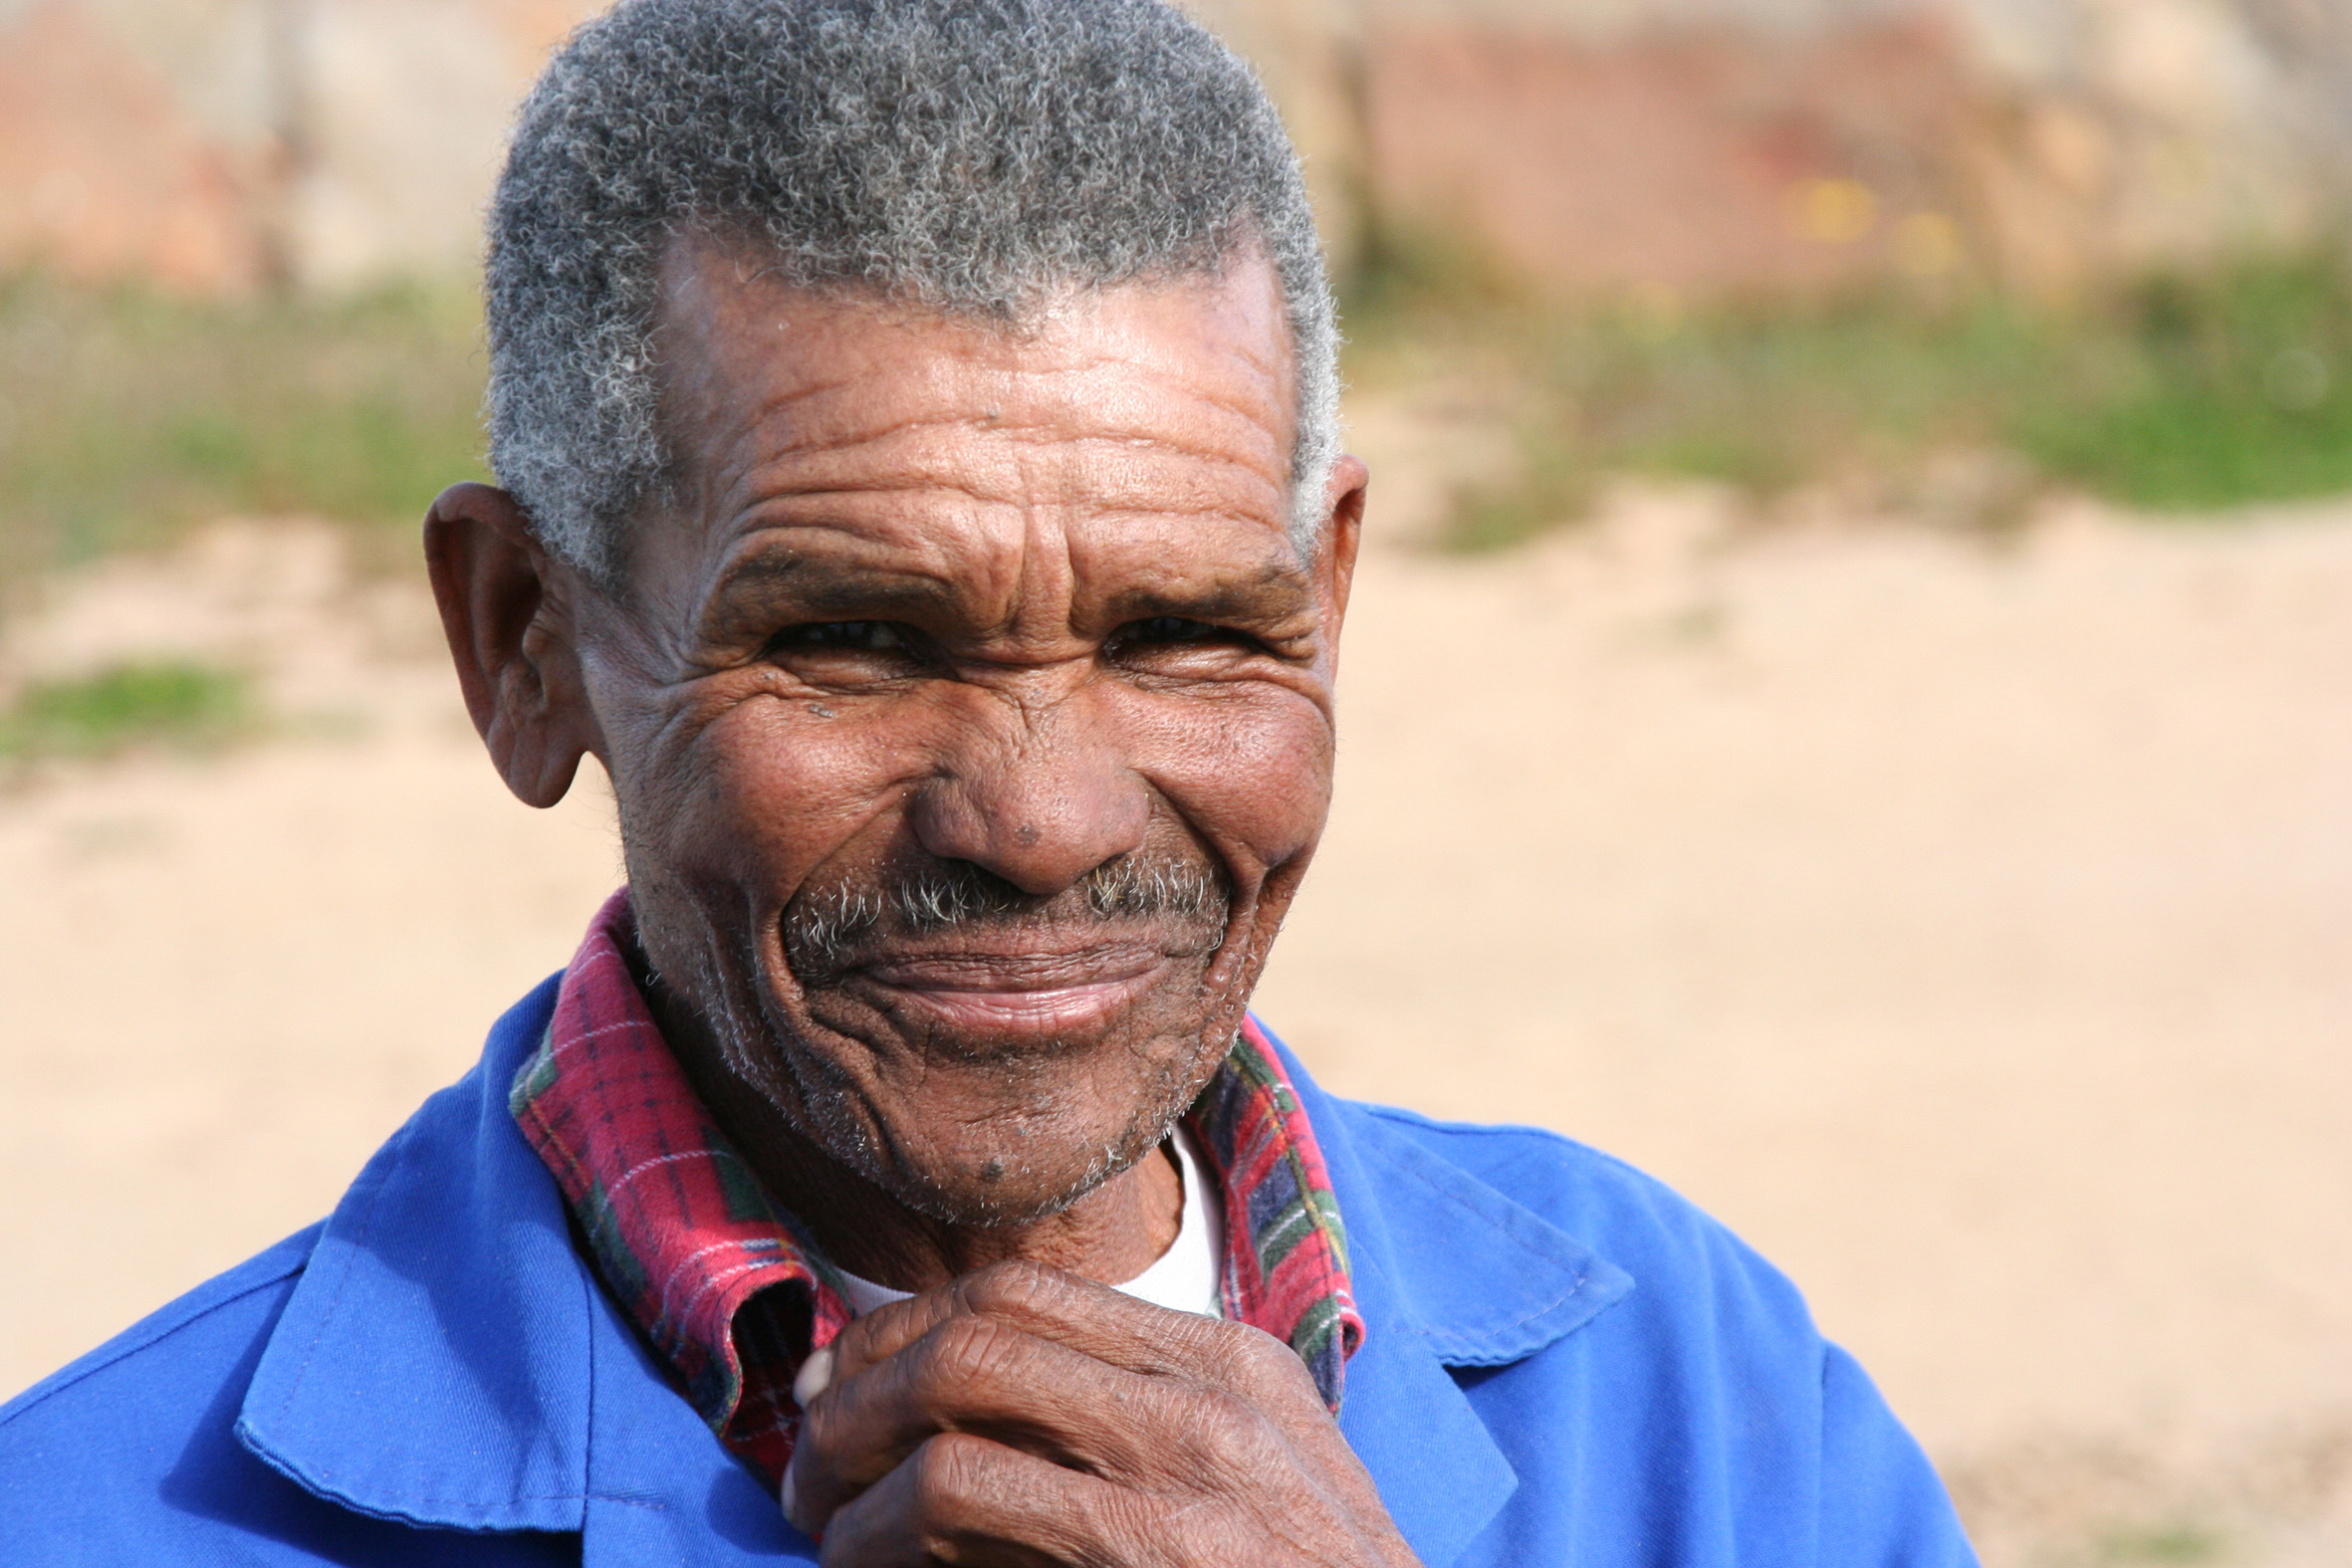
(1412, 1219)
(447, 1358)
(431, 1365)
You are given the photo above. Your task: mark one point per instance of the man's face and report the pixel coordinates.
(970, 712)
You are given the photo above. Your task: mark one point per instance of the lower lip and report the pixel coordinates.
(1052, 1010)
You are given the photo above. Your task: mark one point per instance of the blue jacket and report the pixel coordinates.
(1565, 1364)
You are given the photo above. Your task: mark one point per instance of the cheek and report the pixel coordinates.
(773, 789)
(763, 790)
(1250, 770)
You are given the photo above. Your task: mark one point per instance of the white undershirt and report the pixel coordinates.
(1187, 1278)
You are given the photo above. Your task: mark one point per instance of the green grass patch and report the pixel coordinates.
(2169, 1544)
(126, 416)
(173, 704)
(2182, 392)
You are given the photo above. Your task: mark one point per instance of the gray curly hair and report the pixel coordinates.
(981, 156)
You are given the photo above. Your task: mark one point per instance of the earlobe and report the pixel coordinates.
(504, 605)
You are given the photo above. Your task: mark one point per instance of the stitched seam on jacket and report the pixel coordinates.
(367, 1221)
(1453, 1336)
(405, 1515)
(325, 1476)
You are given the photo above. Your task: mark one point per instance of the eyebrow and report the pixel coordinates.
(1266, 594)
(822, 588)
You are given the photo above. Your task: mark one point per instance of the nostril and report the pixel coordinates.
(1039, 822)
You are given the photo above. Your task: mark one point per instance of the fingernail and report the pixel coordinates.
(815, 1376)
(790, 1498)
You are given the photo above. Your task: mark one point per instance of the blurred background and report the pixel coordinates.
(1849, 704)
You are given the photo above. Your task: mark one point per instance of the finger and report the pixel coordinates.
(1093, 1320)
(980, 1375)
(1110, 1326)
(1030, 1295)
(1090, 1318)
(964, 1499)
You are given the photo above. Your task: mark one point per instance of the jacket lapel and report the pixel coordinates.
(1448, 1272)
(449, 1359)
(428, 1366)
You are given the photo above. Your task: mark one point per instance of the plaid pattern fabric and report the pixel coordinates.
(1286, 1252)
(734, 1295)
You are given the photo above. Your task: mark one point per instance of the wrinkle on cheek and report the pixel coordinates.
(1253, 776)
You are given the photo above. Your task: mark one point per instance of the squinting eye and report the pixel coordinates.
(857, 636)
(1171, 628)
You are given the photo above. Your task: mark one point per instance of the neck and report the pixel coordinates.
(1112, 1234)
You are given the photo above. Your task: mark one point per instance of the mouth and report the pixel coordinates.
(1017, 992)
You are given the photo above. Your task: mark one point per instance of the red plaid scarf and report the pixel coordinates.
(729, 1290)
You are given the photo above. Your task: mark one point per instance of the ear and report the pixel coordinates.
(1343, 537)
(505, 611)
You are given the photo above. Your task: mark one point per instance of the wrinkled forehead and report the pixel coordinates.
(1172, 397)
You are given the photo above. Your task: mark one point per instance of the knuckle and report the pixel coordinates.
(1011, 1287)
(1229, 1432)
(1275, 1365)
(949, 1468)
(1251, 1356)
(964, 1351)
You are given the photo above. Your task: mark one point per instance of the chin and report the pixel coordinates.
(1004, 1125)
(992, 1190)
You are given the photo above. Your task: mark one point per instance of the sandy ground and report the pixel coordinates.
(1967, 924)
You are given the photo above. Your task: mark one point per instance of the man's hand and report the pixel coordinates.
(1024, 1416)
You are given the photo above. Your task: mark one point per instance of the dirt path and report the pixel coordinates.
(1969, 926)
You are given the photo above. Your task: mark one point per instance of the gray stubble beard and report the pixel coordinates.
(737, 997)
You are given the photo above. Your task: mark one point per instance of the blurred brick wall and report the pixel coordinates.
(136, 144)
(218, 145)
(1694, 162)
(1706, 147)
(1674, 147)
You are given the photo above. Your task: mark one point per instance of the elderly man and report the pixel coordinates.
(917, 426)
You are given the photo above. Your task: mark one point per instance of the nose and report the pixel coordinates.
(1038, 801)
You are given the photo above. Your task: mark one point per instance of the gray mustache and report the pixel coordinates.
(822, 930)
